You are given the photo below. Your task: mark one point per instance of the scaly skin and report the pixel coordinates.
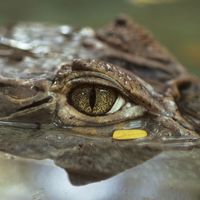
(40, 64)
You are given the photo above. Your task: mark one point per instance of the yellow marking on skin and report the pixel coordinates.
(129, 134)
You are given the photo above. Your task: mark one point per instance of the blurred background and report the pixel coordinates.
(176, 23)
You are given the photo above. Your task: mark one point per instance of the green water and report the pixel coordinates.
(177, 24)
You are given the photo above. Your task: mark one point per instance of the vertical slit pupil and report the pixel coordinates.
(92, 98)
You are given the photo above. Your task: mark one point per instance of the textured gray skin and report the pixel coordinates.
(75, 152)
(38, 57)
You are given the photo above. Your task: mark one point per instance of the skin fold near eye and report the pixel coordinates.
(94, 100)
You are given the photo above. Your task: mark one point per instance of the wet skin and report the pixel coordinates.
(53, 82)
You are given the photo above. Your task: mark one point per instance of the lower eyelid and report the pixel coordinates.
(117, 105)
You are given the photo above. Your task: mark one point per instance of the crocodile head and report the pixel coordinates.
(81, 97)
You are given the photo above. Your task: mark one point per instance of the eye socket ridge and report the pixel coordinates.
(122, 109)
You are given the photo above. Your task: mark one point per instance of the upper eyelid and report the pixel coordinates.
(81, 77)
(99, 81)
(137, 89)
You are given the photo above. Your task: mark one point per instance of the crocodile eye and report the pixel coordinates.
(94, 100)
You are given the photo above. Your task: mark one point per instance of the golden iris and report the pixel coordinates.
(93, 99)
